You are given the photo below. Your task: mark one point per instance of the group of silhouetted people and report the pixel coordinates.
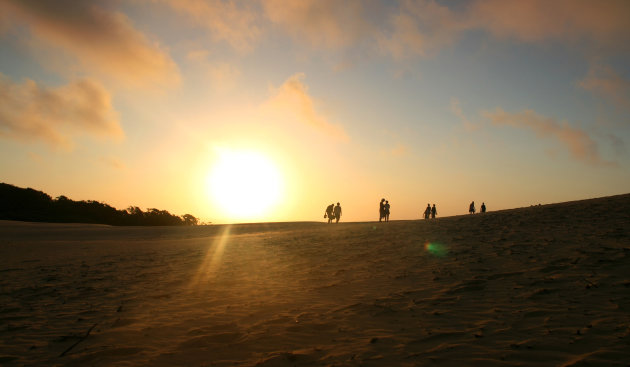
(430, 211)
(471, 208)
(333, 213)
(383, 211)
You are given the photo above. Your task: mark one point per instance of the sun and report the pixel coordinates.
(244, 184)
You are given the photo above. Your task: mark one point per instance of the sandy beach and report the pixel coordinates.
(537, 286)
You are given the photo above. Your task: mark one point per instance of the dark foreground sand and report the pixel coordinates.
(539, 286)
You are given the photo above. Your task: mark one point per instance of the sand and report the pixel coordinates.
(539, 286)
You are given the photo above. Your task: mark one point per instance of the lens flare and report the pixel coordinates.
(212, 261)
(436, 249)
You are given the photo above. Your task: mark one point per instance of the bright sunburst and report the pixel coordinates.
(244, 184)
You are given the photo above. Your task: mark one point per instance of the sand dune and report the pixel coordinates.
(540, 286)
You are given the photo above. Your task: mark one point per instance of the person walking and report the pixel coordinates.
(483, 207)
(386, 211)
(329, 213)
(433, 211)
(427, 211)
(381, 210)
(471, 208)
(337, 213)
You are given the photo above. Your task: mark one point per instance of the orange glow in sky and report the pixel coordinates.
(252, 110)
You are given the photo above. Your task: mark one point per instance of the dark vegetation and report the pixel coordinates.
(31, 205)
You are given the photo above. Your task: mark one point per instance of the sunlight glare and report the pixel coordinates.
(244, 184)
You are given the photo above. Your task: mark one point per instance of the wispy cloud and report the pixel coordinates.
(419, 28)
(606, 83)
(102, 40)
(30, 112)
(222, 75)
(601, 23)
(579, 144)
(424, 27)
(105, 40)
(293, 100)
(5, 22)
(320, 23)
(226, 21)
(457, 110)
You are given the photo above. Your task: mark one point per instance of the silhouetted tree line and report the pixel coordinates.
(31, 205)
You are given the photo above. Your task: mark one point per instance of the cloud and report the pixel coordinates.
(422, 28)
(606, 83)
(225, 20)
(31, 112)
(293, 100)
(101, 40)
(457, 110)
(222, 75)
(579, 144)
(601, 22)
(5, 22)
(198, 56)
(320, 23)
(419, 28)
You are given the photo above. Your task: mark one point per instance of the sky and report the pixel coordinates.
(270, 110)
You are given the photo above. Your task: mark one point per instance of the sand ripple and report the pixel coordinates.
(535, 286)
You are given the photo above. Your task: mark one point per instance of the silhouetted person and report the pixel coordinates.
(433, 211)
(427, 211)
(471, 208)
(381, 210)
(386, 211)
(329, 212)
(483, 207)
(337, 212)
